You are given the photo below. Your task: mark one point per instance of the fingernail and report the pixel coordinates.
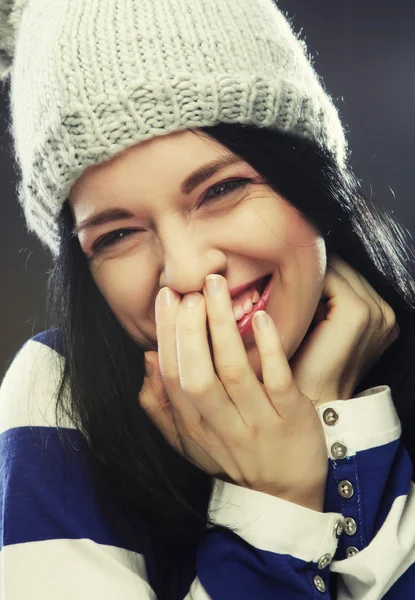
(261, 319)
(166, 297)
(192, 299)
(213, 284)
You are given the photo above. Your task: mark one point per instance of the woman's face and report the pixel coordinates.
(175, 237)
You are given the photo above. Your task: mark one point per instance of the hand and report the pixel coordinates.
(266, 437)
(354, 327)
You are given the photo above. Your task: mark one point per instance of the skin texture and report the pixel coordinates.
(241, 235)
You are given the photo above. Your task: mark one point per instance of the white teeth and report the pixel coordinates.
(242, 310)
(238, 311)
(247, 308)
(256, 297)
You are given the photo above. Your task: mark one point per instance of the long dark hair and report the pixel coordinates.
(104, 367)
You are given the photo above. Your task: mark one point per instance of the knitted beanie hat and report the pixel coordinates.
(91, 78)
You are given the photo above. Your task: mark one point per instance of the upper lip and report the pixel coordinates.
(241, 288)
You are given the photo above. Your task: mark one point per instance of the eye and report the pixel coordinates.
(113, 238)
(234, 184)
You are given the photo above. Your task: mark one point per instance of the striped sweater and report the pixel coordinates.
(56, 545)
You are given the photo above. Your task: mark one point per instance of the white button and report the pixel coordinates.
(351, 551)
(345, 489)
(330, 417)
(350, 526)
(339, 450)
(338, 528)
(319, 583)
(324, 561)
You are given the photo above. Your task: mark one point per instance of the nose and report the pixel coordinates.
(188, 259)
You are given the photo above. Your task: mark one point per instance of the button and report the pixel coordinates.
(345, 489)
(330, 416)
(339, 450)
(319, 583)
(338, 528)
(351, 551)
(324, 561)
(350, 526)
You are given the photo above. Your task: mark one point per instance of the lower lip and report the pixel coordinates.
(245, 324)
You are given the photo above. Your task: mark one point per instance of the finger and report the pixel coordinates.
(379, 309)
(356, 280)
(166, 318)
(197, 375)
(155, 403)
(323, 354)
(230, 357)
(346, 310)
(278, 380)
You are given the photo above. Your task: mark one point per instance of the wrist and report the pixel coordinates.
(313, 501)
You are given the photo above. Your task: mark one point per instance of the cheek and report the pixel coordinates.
(122, 290)
(303, 270)
(309, 258)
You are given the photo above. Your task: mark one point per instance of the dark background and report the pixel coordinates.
(363, 49)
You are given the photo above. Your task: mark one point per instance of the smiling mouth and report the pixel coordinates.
(264, 284)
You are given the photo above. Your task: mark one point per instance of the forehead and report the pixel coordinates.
(173, 156)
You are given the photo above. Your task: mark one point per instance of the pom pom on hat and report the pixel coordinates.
(10, 17)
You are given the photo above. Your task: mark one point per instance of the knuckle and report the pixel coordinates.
(232, 375)
(237, 436)
(171, 382)
(219, 320)
(392, 329)
(359, 314)
(186, 329)
(197, 388)
(170, 376)
(168, 327)
(364, 312)
(282, 386)
(389, 316)
(269, 352)
(256, 430)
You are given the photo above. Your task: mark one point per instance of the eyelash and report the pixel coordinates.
(107, 240)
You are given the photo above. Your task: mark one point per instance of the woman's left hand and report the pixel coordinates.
(350, 315)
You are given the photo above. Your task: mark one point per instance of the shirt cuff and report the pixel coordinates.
(367, 420)
(273, 524)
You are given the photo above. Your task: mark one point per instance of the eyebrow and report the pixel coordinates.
(188, 185)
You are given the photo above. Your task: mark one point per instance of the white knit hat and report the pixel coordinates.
(91, 78)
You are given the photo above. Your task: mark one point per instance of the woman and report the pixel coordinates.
(250, 462)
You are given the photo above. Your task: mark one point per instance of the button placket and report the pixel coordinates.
(345, 487)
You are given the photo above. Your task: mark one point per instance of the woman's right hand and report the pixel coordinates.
(264, 436)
